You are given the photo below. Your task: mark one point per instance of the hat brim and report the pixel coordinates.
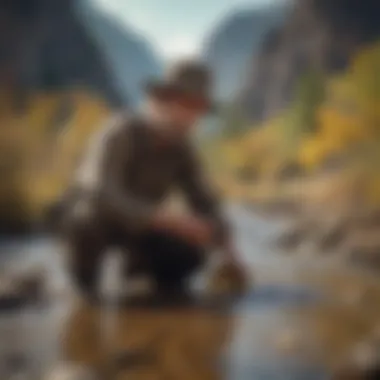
(165, 90)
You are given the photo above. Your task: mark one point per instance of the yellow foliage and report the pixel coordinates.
(312, 152)
(342, 128)
(373, 191)
(347, 125)
(39, 155)
(350, 114)
(234, 154)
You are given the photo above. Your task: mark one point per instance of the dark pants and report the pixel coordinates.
(169, 261)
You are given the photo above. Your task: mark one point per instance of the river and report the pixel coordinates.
(298, 321)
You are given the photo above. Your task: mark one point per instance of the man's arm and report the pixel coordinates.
(202, 197)
(103, 172)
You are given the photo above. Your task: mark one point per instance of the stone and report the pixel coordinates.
(22, 287)
(67, 371)
(288, 341)
(138, 286)
(366, 355)
(228, 278)
(363, 363)
(290, 240)
(362, 248)
(331, 239)
(355, 296)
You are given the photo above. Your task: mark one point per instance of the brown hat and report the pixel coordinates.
(188, 79)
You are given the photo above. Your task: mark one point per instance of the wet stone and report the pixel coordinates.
(356, 296)
(288, 341)
(14, 366)
(363, 363)
(70, 372)
(292, 238)
(365, 257)
(332, 238)
(229, 279)
(21, 289)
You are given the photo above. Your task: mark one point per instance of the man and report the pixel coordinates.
(129, 171)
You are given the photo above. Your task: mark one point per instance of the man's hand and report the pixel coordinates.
(193, 229)
(230, 275)
(231, 257)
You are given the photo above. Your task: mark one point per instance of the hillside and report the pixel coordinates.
(232, 43)
(46, 47)
(318, 35)
(316, 142)
(130, 57)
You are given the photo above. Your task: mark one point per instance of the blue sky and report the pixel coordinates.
(175, 27)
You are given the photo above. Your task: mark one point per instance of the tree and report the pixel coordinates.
(301, 118)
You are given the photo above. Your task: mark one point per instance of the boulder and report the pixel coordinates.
(66, 371)
(362, 363)
(22, 288)
(228, 279)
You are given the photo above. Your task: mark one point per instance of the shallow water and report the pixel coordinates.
(295, 323)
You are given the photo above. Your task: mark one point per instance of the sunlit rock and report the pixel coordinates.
(355, 296)
(363, 363)
(376, 334)
(6, 286)
(228, 278)
(288, 341)
(362, 248)
(138, 287)
(70, 372)
(367, 218)
(352, 373)
(331, 237)
(292, 239)
(23, 286)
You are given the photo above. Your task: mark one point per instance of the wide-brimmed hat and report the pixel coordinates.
(189, 80)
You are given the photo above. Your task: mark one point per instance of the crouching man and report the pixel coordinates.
(129, 170)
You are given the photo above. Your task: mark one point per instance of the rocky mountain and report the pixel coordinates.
(318, 35)
(58, 44)
(231, 44)
(44, 45)
(130, 57)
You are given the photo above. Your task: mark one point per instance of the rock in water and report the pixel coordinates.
(362, 364)
(229, 279)
(22, 288)
(356, 296)
(70, 372)
(288, 341)
(332, 238)
(293, 238)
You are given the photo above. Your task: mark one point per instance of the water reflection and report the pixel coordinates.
(168, 344)
(300, 319)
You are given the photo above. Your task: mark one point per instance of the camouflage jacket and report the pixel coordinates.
(130, 173)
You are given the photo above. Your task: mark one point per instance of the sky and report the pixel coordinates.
(175, 27)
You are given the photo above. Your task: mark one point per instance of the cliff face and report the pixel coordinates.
(44, 45)
(230, 46)
(130, 58)
(318, 35)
